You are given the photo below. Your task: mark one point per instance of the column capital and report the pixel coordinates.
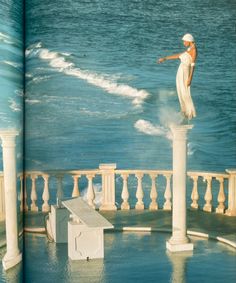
(179, 132)
(8, 137)
(110, 166)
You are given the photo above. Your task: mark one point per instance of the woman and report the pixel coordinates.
(184, 75)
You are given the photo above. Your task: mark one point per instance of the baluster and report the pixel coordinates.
(75, 192)
(46, 195)
(167, 195)
(21, 193)
(139, 193)
(208, 195)
(125, 193)
(221, 196)
(153, 194)
(33, 195)
(25, 206)
(194, 195)
(60, 194)
(90, 192)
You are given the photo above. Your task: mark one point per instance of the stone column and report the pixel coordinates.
(108, 186)
(2, 199)
(179, 240)
(13, 255)
(231, 211)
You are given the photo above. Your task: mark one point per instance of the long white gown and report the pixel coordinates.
(183, 90)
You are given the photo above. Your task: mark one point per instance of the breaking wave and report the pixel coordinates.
(148, 128)
(60, 62)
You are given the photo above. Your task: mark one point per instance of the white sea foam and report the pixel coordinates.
(165, 94)
(6, 38)
(32, 101)
(15, 107)
(168, 116)
(13, 64)
(19, 92)
(33, 48)
(58, 61)
(38, 79)
(148, 128)
(98, 194)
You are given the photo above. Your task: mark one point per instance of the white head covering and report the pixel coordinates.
(188, 37)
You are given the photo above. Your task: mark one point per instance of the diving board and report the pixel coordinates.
(86, 214)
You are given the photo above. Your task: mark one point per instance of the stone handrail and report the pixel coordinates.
(207, 189)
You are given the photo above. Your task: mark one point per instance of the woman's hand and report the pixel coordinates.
(161, 60)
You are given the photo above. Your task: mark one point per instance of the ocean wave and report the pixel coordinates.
(168, 116)
(19, 92)
(98, 194)
(13, 64)
(148, 128)
(15, 107)
(37, 79)
(33, 48)
(5, 38)
(32, 101)
(59, 62)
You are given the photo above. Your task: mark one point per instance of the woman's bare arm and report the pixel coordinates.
(171, 57)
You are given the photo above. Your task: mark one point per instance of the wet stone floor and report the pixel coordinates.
(129, 257)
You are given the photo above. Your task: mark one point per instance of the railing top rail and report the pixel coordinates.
(146, 172)
(208, 174)
(64, 172)
(120, 172)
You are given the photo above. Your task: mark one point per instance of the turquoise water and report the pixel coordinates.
(95, 93)
(11, 70)
(129, 257)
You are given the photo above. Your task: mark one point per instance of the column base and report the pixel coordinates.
(109, 207)
(11, 262)
(179, 247)
(230, 212)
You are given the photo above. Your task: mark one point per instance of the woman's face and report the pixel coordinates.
(186, 43)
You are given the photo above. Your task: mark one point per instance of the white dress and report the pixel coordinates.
(183, 90)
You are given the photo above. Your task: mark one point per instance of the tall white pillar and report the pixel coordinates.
(13, 255)
(179, 240)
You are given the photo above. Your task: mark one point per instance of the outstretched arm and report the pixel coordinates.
(171, 57)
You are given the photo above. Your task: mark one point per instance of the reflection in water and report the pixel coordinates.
(13, 275)
(178, 261)
(129, 257)
(79, 270)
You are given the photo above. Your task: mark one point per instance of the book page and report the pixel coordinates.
(11, 137)
(130, 105)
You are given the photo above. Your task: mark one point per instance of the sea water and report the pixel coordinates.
(95, 94)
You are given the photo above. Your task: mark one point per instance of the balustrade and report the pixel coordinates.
(167, 195)
(125, 193)
(207, 189)
(153, 194)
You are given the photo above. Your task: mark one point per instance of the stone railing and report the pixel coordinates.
(125, 189)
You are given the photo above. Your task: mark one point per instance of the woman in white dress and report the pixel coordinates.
(184, 75)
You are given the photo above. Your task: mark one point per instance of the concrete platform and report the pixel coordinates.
(200, 223)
